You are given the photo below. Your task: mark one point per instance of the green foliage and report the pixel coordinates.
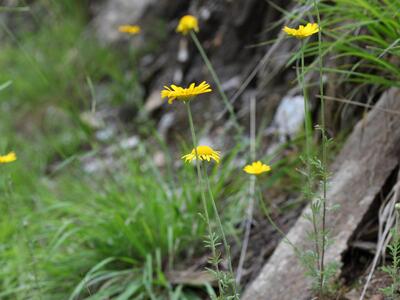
(100, 237)
(393, 270)
(72, 235)
(69, 234)
(316, 171)
(363, 37)
(311, 258)
(48, 64)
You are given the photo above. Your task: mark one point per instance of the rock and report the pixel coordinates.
(352, 295)
(153, 102)
(105, 134)
(111, 14)
(190, 277)
(109, 157)
(166, 122)
(288, 119)
(377, 297)
(94, 120)
(366, 161)
(159, 159)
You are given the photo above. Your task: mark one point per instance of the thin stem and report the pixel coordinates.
(324, 146)
(216, 80)
(250, 208)
(253, 128)
(308, 129)
(307, 116)
(203, 196)
(224, 240)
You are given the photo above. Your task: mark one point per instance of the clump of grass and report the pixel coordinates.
(103, 237)
(70, 235)
(363, 38)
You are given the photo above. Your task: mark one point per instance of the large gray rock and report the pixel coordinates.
(365, 163)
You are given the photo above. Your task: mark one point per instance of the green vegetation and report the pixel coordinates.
(66, 233)
(69, 234)
(363, 38)
(393, 270)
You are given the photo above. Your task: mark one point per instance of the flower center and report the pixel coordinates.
(204, 150)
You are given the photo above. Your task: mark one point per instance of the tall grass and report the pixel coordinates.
(104, 233)
(72, 235)
(363, 36)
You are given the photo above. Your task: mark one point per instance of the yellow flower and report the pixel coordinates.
(204, 153)
(184, 94)
(10, 157)
(256, 168)
(130, 29)
(186, 24)
(303, 31)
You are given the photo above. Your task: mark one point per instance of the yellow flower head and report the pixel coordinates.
(256, 168)
(186, 24)
(10, 157)
(184, 94)
(204, 153)
(130, 29)
(303, 31)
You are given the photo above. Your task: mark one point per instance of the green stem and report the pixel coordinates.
(203, 196)
(307, 114)
(216, 80)
(324, 147)
(224, 240)
(308, 129)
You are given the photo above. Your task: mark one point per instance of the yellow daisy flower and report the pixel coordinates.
(130, 29)
(10, 157)
(303, 31)
(204, 153)
(186, 24)
(184, 94)
(256, 168)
